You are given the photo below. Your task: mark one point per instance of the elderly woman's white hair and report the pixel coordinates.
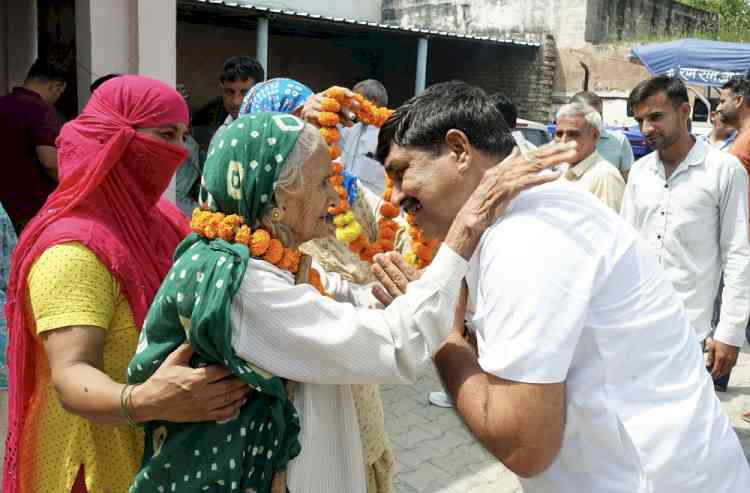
(592, 116)
(290, 178)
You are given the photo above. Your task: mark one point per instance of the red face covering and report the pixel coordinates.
(108, 199)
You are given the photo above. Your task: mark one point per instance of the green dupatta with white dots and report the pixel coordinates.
(193, 303)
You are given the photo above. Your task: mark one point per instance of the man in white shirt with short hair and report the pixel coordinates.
(689, 202)
(587, 376)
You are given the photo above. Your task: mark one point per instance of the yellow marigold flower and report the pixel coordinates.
(349, 233)
(411, 257)
(243, 235)
(344, 219)
(259, 241)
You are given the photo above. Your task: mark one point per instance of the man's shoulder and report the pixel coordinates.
(643, 163)
(603, 168)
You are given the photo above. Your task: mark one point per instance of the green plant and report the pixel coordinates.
(734, 17)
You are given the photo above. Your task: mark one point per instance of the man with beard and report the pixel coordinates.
(586, 375)
(734, 110)
(689, 201)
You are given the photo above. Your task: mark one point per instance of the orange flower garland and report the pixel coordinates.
(232, 229)
(348, 230)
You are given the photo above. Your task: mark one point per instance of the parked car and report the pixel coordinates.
(534, 132)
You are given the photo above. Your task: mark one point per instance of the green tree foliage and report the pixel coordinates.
(734, 17)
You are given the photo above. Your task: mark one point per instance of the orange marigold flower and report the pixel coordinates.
(340, 190)
(385, 222)
(330, 104)
(296, 257)
(286, 259)
(416, 234)
(313, 279)
(387, 234)
(410, 219)
(368, 253)
(336, 168)
(212, 228)
(359, 244)
(330, 134)
(338, 93)
(275, 252)
(243, 235)
(422, 251)
(336, 180)
(386, 245)
(259, 242)
(199, 221)
(328, 119)
(334, 151)
(388, 210)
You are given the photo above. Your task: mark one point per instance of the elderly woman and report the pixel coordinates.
(335, 257)
(82, 278)
(233, 295)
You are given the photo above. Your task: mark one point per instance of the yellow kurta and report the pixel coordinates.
(69, 286)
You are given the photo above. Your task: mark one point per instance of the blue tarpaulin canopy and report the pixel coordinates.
(696, 61)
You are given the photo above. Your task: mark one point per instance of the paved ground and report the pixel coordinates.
(435, 453)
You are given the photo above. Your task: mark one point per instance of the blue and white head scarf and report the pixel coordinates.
(285, 96)
(275, 95)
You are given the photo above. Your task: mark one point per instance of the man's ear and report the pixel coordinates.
(459, 146)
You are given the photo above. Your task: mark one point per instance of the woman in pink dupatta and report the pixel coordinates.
(82, 278)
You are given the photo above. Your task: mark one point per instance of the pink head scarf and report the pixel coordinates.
(108, 199)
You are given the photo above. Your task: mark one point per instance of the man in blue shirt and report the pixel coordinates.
(613, 146)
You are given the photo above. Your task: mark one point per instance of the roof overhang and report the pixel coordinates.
(237, 14)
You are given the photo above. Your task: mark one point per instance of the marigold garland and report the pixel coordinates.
(348, 230)
(232, 229)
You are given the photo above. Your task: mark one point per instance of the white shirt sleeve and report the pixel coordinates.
(533, 300)
(294, 332)
(735, 258)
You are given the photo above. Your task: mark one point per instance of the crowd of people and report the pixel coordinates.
(582, 309)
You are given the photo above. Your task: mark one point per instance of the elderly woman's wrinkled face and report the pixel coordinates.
(306, 211)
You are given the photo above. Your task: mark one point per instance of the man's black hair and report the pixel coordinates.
(101, 80)
(739, 86)
(47, 71)
(424, 120)
(241, 68)
(506, 108)
(674, 89)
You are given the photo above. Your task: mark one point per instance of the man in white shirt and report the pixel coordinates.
(358, 142)
(581, 123)
(587, 377)
(689, 202)
(613, 146)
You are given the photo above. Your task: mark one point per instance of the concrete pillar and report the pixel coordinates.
(126, 36)
(157, 39)
(421, 79)
(261, 45)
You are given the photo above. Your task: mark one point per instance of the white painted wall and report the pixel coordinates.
(363, 10)
(18, 41)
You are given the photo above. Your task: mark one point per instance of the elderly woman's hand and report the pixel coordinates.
(394, 275)
(313, 107)
(178, 393)
(499, 186)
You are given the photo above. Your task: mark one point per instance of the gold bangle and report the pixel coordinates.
(126, 405)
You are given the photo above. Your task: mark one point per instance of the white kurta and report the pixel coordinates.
(295, 333)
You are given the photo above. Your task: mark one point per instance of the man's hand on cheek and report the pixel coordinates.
(394, 274)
